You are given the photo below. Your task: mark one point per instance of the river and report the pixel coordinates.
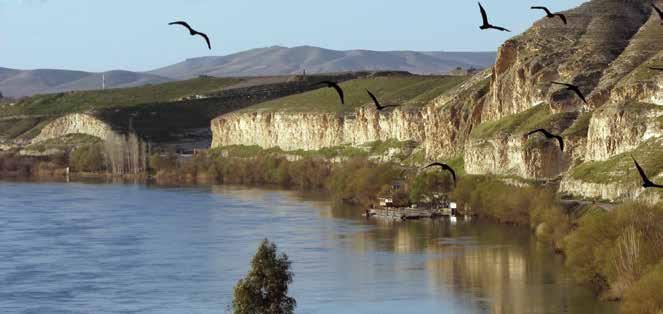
(117, 248)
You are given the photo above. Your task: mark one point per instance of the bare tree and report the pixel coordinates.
(125, 154)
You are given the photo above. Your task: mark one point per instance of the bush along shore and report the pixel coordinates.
(617, 253)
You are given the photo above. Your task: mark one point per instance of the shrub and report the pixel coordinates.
(359, 180)
(88, 158)
(265, 287)
(495, 199)
(551, 224)
(427, 183)
(645, 296)
(159, 162)
(615, 249)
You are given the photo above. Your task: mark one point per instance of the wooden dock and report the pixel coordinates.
(408, 213)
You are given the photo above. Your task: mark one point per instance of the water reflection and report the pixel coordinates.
(502, 268)
(117, 248)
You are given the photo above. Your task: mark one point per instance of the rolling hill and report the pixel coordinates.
(271, 61)
(279, 60)
(21, 83)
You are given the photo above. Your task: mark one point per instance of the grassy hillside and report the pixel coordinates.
(620, 168)
(407, 90)
(63, 103)
(534, 118)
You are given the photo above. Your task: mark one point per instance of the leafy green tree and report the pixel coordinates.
(87, 158)
(427, 183)
(265, 287)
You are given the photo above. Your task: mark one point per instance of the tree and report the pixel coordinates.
(265, 287)
(428, 183)
(87, 158)
(1, 95)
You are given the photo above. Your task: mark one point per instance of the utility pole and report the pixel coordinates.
(103, 81)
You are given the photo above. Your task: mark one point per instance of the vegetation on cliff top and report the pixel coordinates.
(16, 127)
(620, 168)
(537, 117)
(63, 103)
(406, 90)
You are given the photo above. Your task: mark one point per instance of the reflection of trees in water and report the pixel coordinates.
(502, 268)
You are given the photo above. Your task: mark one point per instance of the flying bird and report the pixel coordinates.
(487, 25)
(549, 136)
(335, 86)
(377, 103)
(660, 13)
(646, 183)
(550, 14)
(193, 32)
(444, 167)
(574, 89)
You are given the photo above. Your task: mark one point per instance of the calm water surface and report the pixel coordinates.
(89, 248)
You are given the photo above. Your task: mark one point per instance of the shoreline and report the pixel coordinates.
(542, 232)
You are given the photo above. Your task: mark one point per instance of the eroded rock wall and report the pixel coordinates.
(76, 123)
(312, 131)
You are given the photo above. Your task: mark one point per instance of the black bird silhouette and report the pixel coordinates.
(549, 136)
(377, 103)
(660, 13)
(656, 69)
(646, 183)
(193, 32)
(487, 25)
(574, 89)
(335, 86)
(444, 167)
(550, 14)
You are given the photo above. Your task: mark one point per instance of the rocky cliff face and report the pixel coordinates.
(74, 124)
(617, 129)
(313, 131)
(606, 49)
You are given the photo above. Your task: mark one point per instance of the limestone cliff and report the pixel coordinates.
(606, 49)
(74, 124)
(313, 131)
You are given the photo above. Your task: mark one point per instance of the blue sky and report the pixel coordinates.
(96, 35)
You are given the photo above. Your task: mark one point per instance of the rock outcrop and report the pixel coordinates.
(313, 131)
(76, 123)
(606, 49)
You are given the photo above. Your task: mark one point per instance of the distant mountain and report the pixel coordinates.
(283, 61)
(19, 83)
(114, 79)
(256, 62)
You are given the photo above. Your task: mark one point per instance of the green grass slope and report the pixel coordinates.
(620, 168)
(406, 90)
(537, 117)
(63, 103)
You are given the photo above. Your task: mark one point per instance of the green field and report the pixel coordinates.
(63, 103)
(405, 90)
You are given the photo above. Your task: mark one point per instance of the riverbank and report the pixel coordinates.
(125, 248)
(584, 234)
